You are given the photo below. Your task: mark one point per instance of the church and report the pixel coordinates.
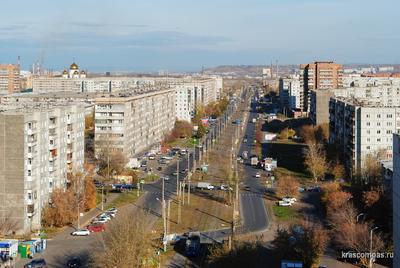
(74, 72)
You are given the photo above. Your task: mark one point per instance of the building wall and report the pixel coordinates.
(362, 130)
(10, 80)
(396, 200)
(42, 146)
(134, 124)
(319, 106)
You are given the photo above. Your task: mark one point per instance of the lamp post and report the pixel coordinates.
(370, 245)
(361, 214)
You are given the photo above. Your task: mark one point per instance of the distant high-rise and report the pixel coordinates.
(320, 75)
(10, 79)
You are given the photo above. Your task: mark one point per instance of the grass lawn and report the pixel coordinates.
(284, 213)
(123, 199)
(303, 177)
(203, 213)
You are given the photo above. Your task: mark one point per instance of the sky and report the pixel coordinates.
(184, 35)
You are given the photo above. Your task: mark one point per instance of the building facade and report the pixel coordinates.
(319, 75)
(40, 146)
(362, 127)
(132, 124)
(319, 106)
(290, 93)
(10, 79)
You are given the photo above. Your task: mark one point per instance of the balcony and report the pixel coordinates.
(29, 178)
(69, 140)
(52, 126)
(29, 166)
(51, 168)
(29, 202)
(69, 161)
(69, 150)
(52, 146)
(31, 131)
(69, 121)
(30, 210)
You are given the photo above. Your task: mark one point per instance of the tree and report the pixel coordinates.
(201, 131)
(338, 171)
(315, 160)
(307, 132)
(287, 186)
(287, 133)
(61, 211)
(8, 224)
(371, 169)
(305, 242)
(126, 241)
(111, 162)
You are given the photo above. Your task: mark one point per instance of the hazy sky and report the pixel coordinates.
(178, 35)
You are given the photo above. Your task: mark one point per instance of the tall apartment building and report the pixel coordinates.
(40, 146)
(190, 94)
(10, 80)
(290, 93)
(396, 200)
(362, 127)
(319, 106)
(132, 124)
(320, 75)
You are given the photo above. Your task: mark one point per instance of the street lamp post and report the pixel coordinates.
(370, 245)
(359, 215)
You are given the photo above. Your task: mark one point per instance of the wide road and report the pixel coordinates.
(252, 207)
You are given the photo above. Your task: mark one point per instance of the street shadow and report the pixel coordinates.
(86, 260)
(210, 195)
(206, 213)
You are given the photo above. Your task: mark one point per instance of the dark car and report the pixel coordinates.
(74, 262)
(38, 263)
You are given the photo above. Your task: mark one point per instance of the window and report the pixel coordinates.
(378, 124)
(378, 132)
(378, 139)
(368, 123)
(389, 116)
(368, 147)
(378, 115)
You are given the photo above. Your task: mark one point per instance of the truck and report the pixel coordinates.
(270, 164)
(205, 185)
(245, 155)
(8, 249)
(134, 163)
(254, 160)
(237, 122)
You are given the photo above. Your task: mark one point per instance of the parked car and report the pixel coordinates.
(74, 262)
(284, 204)
(115, 210)
(38, 263)
(81, 232)
(111, 214)
(257, 175)
(104, 216)
(99, 220)
(289, 199)
(166, 178)
(152, 157)
(174, 173)
(159, 168)
(96, 228)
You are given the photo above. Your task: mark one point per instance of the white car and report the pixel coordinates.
(99, 220)
(113, 210)
(166, 178)
(225, 188)
(105, 216)
(289, 199)
(82, 232)
(152, 157)
(284, 204)
(257, 175)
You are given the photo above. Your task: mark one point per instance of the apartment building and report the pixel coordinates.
(362, 127)
(132, 123)
(320, 75)
(10, 79)
(41, 144)
(290, 93)
(319, 106)
(396, 200)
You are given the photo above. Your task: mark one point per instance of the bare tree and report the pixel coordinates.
(315, 160)
(126, 242)
(8, 224)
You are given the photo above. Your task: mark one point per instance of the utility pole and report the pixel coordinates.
(163, 215)
(179, 203)
(177, 177)
(168, 216)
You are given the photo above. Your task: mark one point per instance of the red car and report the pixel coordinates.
(96, 228)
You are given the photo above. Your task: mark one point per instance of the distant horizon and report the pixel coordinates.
(180, 36)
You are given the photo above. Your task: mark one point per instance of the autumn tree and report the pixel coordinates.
(126, 242)
(89, 188)
(371, 169)
(315, 160)
(338, 171)
(287, 186)
(287, 133)
(305, 242)
(61, 210)
(111, 162)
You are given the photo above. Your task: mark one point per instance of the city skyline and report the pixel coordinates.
(141, 36)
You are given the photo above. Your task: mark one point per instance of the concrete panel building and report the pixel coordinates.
(133, 123)
(318, 76)
(10, 78)
(290, 93)
(362, 127)
(40, 146)
(319, 106)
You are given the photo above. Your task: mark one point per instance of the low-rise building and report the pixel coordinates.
(41, 144)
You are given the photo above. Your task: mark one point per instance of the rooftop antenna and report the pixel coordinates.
(19, 60)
